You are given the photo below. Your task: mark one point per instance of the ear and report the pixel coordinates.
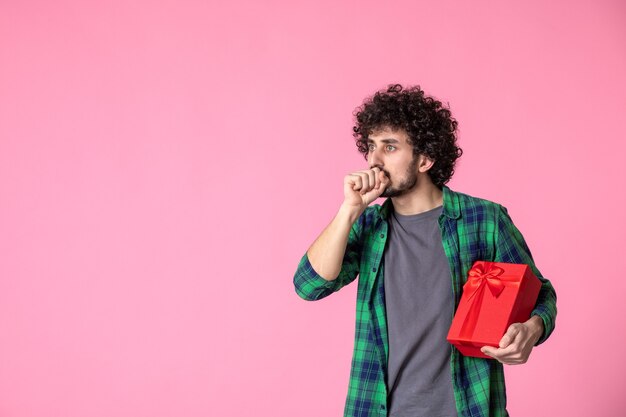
(424, 163)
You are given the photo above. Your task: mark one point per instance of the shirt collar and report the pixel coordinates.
(450, 205)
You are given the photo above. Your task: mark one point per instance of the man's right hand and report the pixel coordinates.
(360, 188)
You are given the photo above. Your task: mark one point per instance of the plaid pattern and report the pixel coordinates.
(471, 229)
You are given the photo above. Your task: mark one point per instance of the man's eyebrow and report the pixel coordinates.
(384, 141)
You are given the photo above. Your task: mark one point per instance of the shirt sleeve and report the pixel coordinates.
(511, 247)
(311, 286)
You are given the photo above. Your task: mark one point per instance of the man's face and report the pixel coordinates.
(391, 151)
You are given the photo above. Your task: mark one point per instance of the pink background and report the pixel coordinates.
(164, 166)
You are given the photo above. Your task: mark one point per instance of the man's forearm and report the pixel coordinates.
(327, 252)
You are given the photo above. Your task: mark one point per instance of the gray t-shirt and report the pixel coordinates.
(419, 306)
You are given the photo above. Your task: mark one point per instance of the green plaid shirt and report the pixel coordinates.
(471, 229)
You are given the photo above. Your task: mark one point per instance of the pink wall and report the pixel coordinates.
(164, 167)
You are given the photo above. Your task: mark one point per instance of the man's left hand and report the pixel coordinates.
(517, 342)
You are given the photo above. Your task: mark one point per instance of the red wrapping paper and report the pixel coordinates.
(495, 296)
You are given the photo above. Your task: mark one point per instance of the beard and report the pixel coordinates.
(405, 185)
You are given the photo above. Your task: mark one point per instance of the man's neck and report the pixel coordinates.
(422, 198)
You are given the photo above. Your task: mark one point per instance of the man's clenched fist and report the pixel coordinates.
(360, 188)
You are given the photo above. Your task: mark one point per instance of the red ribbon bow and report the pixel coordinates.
(487, 274)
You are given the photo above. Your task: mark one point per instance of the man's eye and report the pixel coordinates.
(370, 147)
(390, 146)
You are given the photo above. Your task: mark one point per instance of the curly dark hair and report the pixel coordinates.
(429, 125)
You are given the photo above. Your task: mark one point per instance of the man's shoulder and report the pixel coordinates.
(473, 200)
(469, 204)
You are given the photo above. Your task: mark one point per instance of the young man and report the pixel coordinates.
(412, 256)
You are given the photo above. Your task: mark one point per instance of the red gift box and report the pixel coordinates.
(495, 296)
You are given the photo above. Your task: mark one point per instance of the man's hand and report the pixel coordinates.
(517, 342)
(362, 187)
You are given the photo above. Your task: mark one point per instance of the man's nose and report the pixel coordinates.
(374, 159)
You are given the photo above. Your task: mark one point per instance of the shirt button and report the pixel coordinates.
(382, 235)
(382, 407)
(373, 269)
